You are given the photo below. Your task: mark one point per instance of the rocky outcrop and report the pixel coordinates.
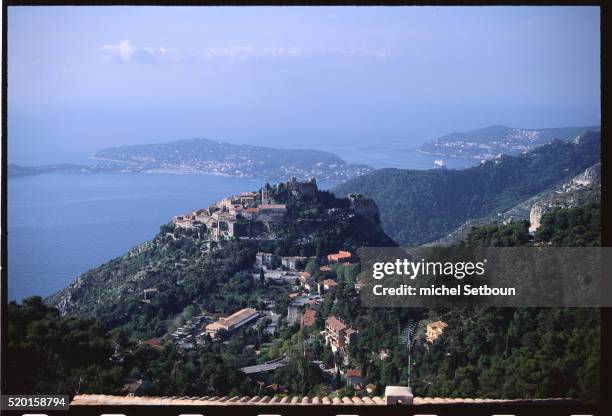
(141, 248)
(303, 189)
(365, 207)
(581, 189)
(590, 176)
(537, 211)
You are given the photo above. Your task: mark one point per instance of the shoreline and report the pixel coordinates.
(424, 152)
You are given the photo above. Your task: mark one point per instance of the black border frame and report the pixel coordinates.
(533, 408)
(330, 410)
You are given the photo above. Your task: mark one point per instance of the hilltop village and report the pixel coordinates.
(260, 289)
(222, 218)
(311, 286)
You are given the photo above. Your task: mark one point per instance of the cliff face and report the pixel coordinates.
(581, 189)
(590, 176)
(365, 206)
(537, 211)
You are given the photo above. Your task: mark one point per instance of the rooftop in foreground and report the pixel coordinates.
(104, 400)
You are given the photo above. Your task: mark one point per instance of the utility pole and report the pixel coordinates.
(409, 361)
(406, 337)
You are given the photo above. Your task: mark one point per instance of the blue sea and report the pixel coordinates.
(61, 225)
(395, 155)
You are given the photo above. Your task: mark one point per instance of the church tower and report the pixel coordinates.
(264, 196)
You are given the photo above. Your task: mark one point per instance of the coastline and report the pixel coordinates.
(424, 152)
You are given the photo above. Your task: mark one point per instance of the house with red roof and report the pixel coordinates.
(341, 256)
(154, 343)
(309, 318)
(353, 377)
(307, 280)
(338, 334)
(327, 285)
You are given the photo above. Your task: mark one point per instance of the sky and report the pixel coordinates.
(85, 78)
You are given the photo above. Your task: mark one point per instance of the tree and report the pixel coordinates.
(312, 266)
(337, 379)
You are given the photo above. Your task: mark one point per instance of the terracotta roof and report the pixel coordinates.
(339, 256)
(325, 269)
(239, 316)
(310, 317)
(306, 277)
(335, 323)
(353, 373)
(104, 400)
(329, 282)
(153, 342)
(233, 319)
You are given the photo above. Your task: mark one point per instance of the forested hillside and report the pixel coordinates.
(48, 354)
(519, 352)
(583, 189)
(417, 207)
(185, 267)
(494, 352)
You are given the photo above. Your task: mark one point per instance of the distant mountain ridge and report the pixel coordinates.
(19, 170)
(418, 207)
(488, 142)
(208, 156)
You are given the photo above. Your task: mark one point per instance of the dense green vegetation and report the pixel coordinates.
(53, 355)
(494, 352)
(512, 353)
(514, 234)
(188, 269)
(67, 355)
(574, 227)
(562, 227)
(525, 352)
(420, 206)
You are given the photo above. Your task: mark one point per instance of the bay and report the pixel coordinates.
(61, 225)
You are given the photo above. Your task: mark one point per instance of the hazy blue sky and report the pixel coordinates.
(84, 78)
